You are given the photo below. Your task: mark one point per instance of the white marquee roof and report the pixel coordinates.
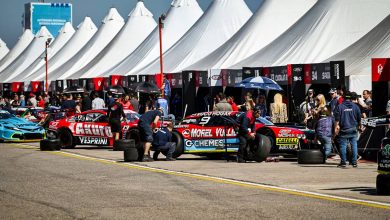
(271, 20)
(180, 18)
(63, 37)
(3, 49)
(329, 27)
(19, 47)
(218, 24)
(29, 55)
(139, 25)
(85, 31)
(110, 27)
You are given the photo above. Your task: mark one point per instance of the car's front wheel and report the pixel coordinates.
(66, 139)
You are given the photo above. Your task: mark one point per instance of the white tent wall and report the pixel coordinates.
(3, 49)
(32, 52)
(19, 47)
(329, 27)
(139, 25)
(357, 57)
(85, 31)
(180, 18)
(219, 23)
(271, 19)
(63, 37)
(110, 27)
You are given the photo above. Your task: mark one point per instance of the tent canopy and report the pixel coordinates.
(3, 49)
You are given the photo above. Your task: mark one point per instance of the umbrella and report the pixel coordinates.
(116, 89)
(259, 82)
(148, 87)
(74, 89)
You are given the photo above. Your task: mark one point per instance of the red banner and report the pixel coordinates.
(116, 80)
(266, 72)
(98, 83)
(158, 79)
(36, 86)
(307, 73)
(381, 69)
(17, 87)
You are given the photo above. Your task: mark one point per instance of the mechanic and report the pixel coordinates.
(245, 133)
(162, 142)
(114, 113)
(146, 124)
(347, 116)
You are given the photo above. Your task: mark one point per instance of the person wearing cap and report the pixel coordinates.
(114, 113)
(348, 122)
(147, 123)
(246, 133)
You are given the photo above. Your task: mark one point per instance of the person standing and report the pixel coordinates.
(33, 101)
(368, 103)
(146, 124)
(230, 100)
(279, 110)
(114, 113)
(162, 103)
(222, 104)
(97, 102)
(134, 102)
(348, 117)
(69, 104)
(22, 101)
(261, 103)
(324, 128)
(126, 103)
(86, 103)
(166, 86)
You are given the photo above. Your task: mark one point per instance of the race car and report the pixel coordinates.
(206, 134)
(34, 114)
(91, 128)
(14, 129)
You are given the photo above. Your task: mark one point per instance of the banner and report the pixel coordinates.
(36, 86)
(297, 90)
(7, 87)
(234, 76)
(59, 85)
(17, 87)
(380, 69)
(251, 72)
(72, 82)
(279, 74)
(132, 82)
(201, 79)
(189, 90)
(337, 73)
(98, 83)
(116, 80)
(84, 83)
(176, 80)
(320, 73)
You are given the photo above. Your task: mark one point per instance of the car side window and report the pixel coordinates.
(79, 118)
(93, 117)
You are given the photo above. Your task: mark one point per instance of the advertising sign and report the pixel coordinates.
(59, 85)
(381, 69)
(51, 15)
(17, 87)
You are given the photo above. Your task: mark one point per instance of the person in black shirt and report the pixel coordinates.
(146, 124)
(69, 104)
(86, 103)
(114, 113)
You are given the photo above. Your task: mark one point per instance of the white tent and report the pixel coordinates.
(329, 27)
(110, 27)
(375, 44)
(25, 59)
(63, 37)
(218, 24)
(85, 31)
(3, 49)
(19, 47)
(139, 25)
(270, 21)
(180, 18)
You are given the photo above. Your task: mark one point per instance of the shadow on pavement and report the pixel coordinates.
(363, 190)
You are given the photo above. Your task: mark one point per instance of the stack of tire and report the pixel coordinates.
(50, 145)
(131, 152)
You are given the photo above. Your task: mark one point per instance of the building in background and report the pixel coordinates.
(51, 15)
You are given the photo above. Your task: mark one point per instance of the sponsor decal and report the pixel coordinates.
(93, 140)
(204, 143)
(220, 132)
(288, 147)
(186, 133)
(386, 150)
(91, 129)
(183, 126)
(285, 133)
(201, 133)
(214, 114)
(286, 141)
(380, 69)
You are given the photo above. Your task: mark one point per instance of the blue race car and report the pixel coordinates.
(14, 129)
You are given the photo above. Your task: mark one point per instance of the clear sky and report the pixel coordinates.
(11, 12)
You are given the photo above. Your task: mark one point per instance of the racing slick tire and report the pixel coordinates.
(134, 135)
(383, 184)
(262, 148)
(130, 152)
(66, 139)
(122, 144)
(308, 156)
(179, 145)
(50, 145)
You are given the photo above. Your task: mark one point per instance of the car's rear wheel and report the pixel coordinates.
(261, 148)
(66, 139)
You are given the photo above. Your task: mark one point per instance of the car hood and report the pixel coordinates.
(19, 123)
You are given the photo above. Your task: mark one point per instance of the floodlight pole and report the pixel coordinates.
(47, 63)
(161, 27)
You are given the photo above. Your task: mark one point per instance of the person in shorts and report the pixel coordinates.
(146, 124)
(114, 113)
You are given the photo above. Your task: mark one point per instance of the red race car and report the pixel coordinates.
(91, 128)
(215, 132)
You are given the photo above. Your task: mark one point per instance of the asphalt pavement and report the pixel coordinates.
(93, 183)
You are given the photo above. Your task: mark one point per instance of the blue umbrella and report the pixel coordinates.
(259, 82)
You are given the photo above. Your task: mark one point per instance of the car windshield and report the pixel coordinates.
(132, 116)
(264, 121)
(5, 115)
